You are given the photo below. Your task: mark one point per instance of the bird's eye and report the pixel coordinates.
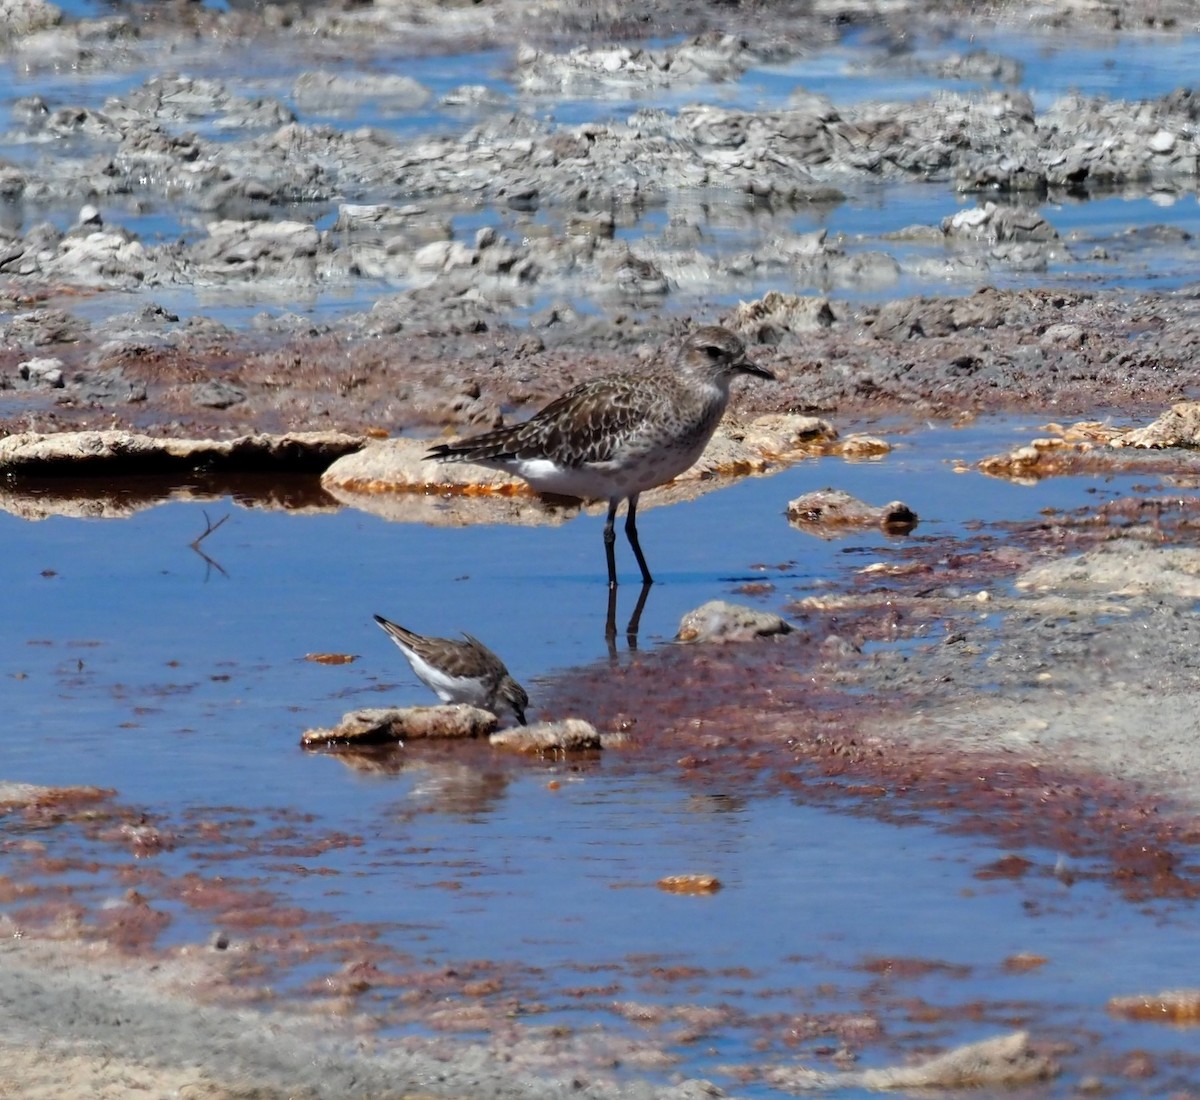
(712, 351)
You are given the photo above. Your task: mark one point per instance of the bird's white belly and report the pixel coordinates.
(620, 477)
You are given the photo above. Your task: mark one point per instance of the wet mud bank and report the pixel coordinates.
(989, 352)
(494, 255)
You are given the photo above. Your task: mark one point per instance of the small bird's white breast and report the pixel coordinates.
(450, 689)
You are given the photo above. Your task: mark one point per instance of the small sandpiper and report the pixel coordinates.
(460, 672)
(618, 435)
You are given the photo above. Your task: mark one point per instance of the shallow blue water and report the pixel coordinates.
(138, 666)
(132, 594)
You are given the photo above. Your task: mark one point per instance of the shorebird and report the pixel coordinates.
(460, 672)
(616, 436)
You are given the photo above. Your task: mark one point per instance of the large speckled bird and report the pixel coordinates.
(460, 672)
(616, 436)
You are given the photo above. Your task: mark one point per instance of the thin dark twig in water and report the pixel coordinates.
(209, 563)
(209, 528)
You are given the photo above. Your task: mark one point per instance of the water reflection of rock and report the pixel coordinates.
(112, 498)
(460, 510)
(455, 787)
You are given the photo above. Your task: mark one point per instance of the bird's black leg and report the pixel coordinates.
(631, 534)
(610, 538)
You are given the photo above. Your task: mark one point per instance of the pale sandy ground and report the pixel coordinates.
(85, 1022)
(1094, 664)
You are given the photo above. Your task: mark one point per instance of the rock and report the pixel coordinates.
(994, 223)
(183, 99)
(568, 735)
(1006, 1060)
(109, 258)
(786, 435)
(385, 725)
(861, 446)
(765, 320)
(217, 394)
(818, 511)
(690, 884)
(1041, 458)
(442, 255)
(43, 373)
(722, 621)
(1178, 427)
(586, 70)
(32, 454)
(397, 465)
(1174, 1006)
(14, 795)
(1163, 141)
(21, 17)
(912, 319)
(1124, 567)
(108, 387)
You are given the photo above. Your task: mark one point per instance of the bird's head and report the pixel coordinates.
(718, 355)
(513, 696)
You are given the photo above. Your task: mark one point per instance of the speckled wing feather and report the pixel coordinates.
(455, 658)
(482, 662)
(587, 424)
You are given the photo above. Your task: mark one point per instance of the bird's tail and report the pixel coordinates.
(497, 445)
(397, 632)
